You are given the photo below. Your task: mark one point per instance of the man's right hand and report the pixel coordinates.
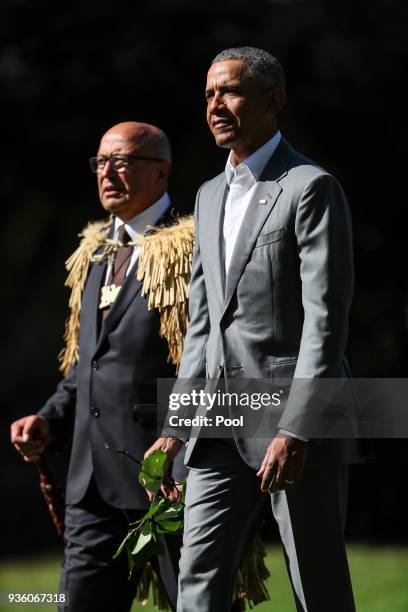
(171, 447)
(30, 436)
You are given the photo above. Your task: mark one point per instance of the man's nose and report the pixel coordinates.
(107, 169)
(216, 103)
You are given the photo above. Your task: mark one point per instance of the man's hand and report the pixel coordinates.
(30, 436)
(171, 447)
(284, 460)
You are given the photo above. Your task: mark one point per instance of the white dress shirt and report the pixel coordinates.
(137, 226)
(242, 180)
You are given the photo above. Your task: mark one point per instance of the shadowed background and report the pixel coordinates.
(69, 71)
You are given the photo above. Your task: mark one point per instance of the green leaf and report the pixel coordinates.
(171, 519)
(159, 504)
(177, 506)
(153, 471)
(150, 483)
(171, 513)
(143, 540)
(158, 542)
(153, 548)
(155, 464)
(122, 545)
(170, 526)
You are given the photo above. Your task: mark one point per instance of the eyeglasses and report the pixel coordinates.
(119, 163)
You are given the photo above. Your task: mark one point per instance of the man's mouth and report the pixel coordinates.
(111, 190)
(220, 124)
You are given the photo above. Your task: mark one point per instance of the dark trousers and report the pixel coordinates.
(94, 581)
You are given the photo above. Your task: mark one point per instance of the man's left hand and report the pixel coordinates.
(284, 460)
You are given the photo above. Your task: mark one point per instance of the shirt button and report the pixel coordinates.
(95, 365)
(95, 411)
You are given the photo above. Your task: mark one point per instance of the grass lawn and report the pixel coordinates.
(379, 578)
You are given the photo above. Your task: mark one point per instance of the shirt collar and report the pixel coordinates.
(137, 226)
(255, 163)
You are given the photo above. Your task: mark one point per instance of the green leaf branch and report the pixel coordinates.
(165, 516)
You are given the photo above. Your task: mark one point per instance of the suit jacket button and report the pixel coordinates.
(95, 365)
(95, 411)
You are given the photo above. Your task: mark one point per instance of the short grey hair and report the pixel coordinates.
(259, 65)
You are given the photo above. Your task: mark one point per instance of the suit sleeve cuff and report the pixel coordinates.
(294, 435)
(167, 432)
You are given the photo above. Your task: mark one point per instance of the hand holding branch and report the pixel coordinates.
(170, 446)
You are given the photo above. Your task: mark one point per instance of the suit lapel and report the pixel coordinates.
(90, 305)
(90, 302)
(128, 292)
(211, 231)
(264, 199)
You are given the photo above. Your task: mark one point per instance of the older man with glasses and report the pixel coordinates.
(109, 392)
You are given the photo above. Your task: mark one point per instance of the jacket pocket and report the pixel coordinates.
(233, 371)
(270, 237)
(283, 368)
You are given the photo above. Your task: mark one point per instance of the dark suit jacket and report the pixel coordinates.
(112, 392)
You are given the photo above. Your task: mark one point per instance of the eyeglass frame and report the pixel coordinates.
(122, 156)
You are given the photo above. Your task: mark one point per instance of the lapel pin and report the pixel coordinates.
(262, 201)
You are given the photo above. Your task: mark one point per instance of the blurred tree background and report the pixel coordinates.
(70, 70)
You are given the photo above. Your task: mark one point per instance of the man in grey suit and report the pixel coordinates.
(270, 296)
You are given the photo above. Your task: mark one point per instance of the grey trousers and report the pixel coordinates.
(93, 580)
(222, 504)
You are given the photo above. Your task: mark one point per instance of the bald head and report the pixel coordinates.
(147, 138)
(128, 190)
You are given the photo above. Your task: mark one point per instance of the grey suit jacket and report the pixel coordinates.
(283, 312)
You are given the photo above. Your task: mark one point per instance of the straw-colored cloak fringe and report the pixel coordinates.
(164, 268)
(93, 236)
(249, 589)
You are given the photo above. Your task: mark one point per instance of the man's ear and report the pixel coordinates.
(276, 99)
(165, 170)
